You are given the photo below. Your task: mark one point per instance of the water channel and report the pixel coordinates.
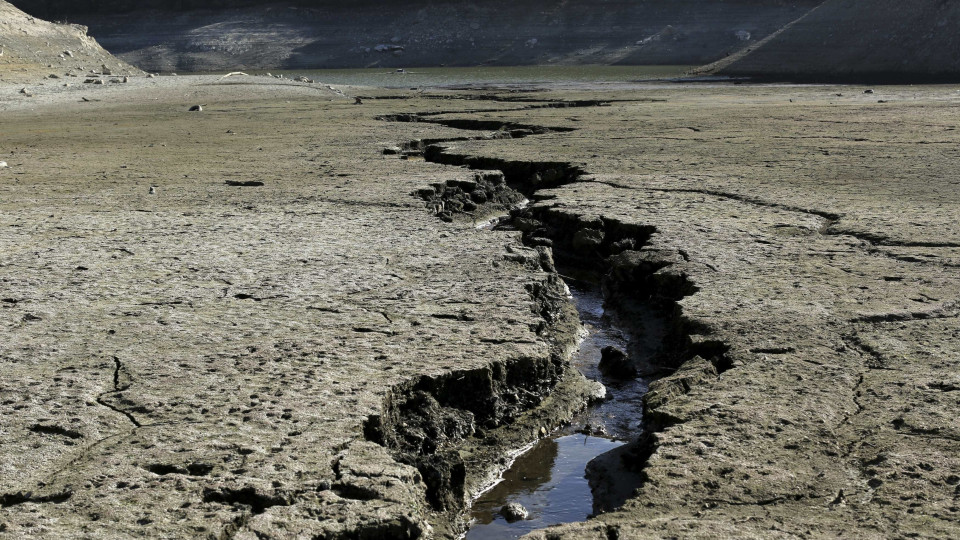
(549, 480)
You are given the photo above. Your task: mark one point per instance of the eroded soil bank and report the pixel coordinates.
(211, 359)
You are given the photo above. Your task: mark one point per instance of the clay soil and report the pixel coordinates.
(223, 358)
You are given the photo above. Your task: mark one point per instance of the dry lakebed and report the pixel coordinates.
(289, 315)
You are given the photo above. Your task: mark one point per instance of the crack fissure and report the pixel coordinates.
(632, 272)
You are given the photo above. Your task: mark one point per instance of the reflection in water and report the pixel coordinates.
(548, 481)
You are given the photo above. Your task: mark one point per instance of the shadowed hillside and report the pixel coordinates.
(851, 40)
(202, 35)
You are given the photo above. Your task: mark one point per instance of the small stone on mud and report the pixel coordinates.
(244, 183)
(196, 108)
(514, 512)
(616, 364)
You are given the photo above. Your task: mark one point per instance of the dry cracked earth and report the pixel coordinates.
(248, 322)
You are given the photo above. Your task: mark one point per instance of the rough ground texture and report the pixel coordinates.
(847, 40)
(807, 239)
(322, 356)
(204, 359)
(174, 36)
(32, 48)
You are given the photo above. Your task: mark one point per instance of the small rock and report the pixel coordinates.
(153, 190)
(868, 91)
(615, 363)
(68, 53)
(244, 183)
(391, 151)
(597, 392)
(3, 165)
(53, 76)
(151, 75)
(196, 108)
(125, 79)
(514, 512)
(357, 101)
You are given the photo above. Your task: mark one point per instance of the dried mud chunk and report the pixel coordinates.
(616, 364)
(586, 241)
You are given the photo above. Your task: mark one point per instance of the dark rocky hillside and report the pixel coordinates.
(851, 40)
(196, 35)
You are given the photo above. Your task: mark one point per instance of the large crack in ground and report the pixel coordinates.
(633, 276)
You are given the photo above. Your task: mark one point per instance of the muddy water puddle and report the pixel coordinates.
(549, 480)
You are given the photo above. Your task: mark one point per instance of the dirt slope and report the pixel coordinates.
(31, 48)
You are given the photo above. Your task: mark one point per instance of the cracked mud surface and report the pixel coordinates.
(205, 360)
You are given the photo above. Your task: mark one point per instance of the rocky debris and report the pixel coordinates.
(514, 512)
(487, 193)
(196, 108)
